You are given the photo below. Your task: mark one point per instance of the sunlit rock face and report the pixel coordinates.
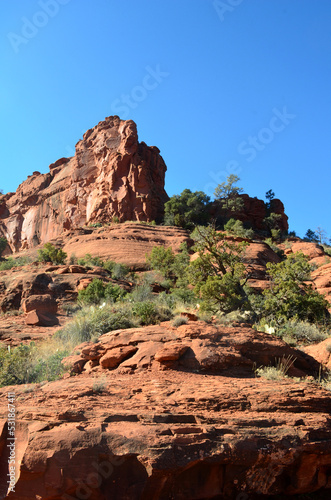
(111, 175)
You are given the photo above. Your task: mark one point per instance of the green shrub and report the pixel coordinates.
(290, 297)
(27, 364)
(3, 244)
(98, 290)
(328, 347)
(91, 322)
(90, 261)
(150, 313)
(179, 320)
(10, 263)
(49, 253)
(301, 331)
(236, 227)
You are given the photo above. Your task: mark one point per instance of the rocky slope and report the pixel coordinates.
(161, 413)
(111, 175)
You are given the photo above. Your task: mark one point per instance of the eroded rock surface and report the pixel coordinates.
(178, 414)
(111, 175)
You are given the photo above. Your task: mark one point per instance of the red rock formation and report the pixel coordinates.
(177, 414)
(111, 174)
(254, 212)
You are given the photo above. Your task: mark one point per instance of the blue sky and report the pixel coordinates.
(232, 86)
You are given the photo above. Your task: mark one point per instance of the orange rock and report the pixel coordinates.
(111, 175)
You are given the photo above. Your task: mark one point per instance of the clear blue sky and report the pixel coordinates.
(219, 86)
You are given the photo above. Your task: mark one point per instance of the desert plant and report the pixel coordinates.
(179, 320)
(187, 209)
(218, 274)
(236, 227)
(49, 253)
(228, 194)
(3, 244)
(98, 290)
(276, 372)
(301, 331)
(289, 296)
(9, 263)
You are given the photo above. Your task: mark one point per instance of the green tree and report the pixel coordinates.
(269, 197)
(237, 228)
(290, 296)
(273, 224)
(228, 194)
(172, 266)
(187, 209)
(311, 236)
(3, 244)
(218, 274)
(49, 253)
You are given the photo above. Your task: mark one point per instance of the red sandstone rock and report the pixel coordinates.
(38, 318)
(114, 357)
(42, 303)
(184, 433)
(111, 174)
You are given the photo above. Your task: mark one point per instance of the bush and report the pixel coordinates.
(10, 263)
(302, 331)
(29, 364)
(98, 290)
(91, 322)
(179, 320)
(236, 227)
(187, 209)
(3, 244)
(90, 261)
(276, 372)
(49, 253)
(290, 297)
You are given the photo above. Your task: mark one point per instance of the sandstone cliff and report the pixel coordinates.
(112, 174)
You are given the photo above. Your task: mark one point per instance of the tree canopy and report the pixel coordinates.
(187, 209)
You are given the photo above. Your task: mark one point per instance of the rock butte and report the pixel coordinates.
(111, 175)
(152, 413)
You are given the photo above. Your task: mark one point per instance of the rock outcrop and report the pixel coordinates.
(111, 175)
(161, 413)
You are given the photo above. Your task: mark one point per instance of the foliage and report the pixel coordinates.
(179, 320)
(91, 322)
(150, 313)
(237, 228)
(289, 296)
(98, 290)
(311, 236)
(274, 247)
(276, 372)
(218, 274)
(187, 209)
(3, 244)
(9, 263)
(49, 253)
(90, 261)
(27, 364)
(228, 194)
(173, 267)
(269, 197)
(272, 223)
(301, 331)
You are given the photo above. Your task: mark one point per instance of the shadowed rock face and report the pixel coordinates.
(111, 174)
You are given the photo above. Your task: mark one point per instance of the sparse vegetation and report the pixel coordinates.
(277, 372)
(179, 320)
(10, 262)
